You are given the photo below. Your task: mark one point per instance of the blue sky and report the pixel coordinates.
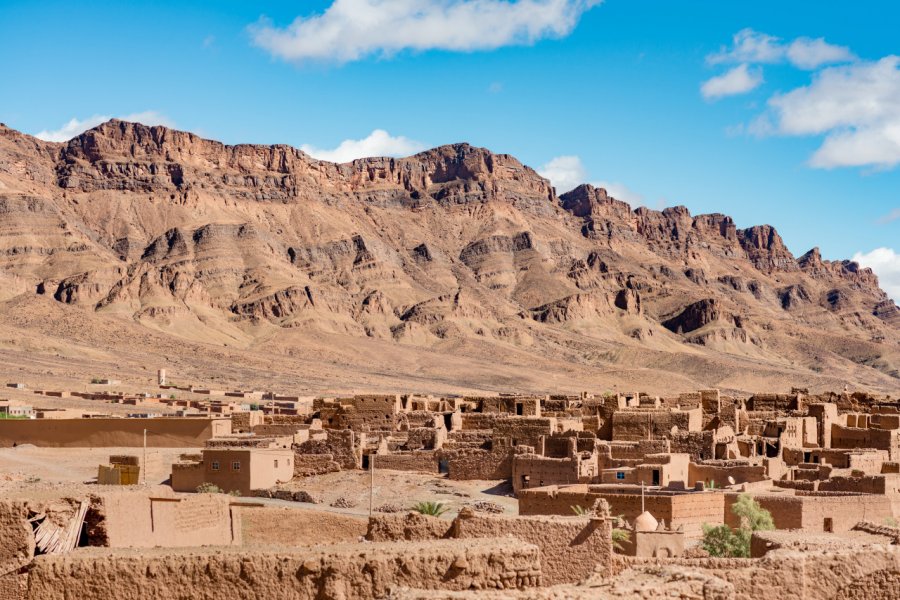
(787, 117)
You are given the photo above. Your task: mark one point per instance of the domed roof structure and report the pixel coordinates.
(645, 522)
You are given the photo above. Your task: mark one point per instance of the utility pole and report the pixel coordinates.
(144, 465)
(371, 482)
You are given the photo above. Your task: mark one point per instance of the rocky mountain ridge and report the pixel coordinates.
(454, 250)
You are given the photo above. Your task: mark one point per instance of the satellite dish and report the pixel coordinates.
(730, 480)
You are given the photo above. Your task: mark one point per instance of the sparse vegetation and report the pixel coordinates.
(433, 509)
(580, 510)
(209, 488)
(722, 541)
(890, 522)
(620, 537)
(96, 380)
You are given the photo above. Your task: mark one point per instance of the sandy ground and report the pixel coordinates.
(27, 468)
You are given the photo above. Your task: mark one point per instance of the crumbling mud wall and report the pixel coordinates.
(271, 525)
(421, 461)
(572, 548)
(307, 465)
(341, 572)
(16, 538)
(410, 526)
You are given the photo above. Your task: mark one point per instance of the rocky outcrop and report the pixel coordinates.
(696, 315)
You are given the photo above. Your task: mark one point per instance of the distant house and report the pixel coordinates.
(235, 469)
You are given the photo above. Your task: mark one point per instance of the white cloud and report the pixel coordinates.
(886, 264)
(856, 107)
(620, 192)
(739, 80)
(349, 30)
(568, 172)
(377, 143)
(77, 126)
(807, 53)
(749, 46)
(564, 172)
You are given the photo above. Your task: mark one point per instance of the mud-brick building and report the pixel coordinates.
(235, 469)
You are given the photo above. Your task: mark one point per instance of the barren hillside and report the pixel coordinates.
(131, 247)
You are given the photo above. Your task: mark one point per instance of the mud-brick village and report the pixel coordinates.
(249, 494)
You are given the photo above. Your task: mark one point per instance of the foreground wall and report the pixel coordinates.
(342, 572)
(572, 548)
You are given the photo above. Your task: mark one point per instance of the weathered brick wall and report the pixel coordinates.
(478, 464)
(409, 526)
(307, 465)
(343, 571)
(340, 444)
(572, 548)
(689, 510)
(422, 461)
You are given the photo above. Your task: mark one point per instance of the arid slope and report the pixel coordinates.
(131, 247)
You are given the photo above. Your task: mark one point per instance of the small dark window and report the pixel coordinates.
(215, 465)
(620, 475)
(276, 463)
(236, 465)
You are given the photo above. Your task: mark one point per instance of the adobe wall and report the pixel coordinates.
(814, 575)
(688, 510)
(135, 519)
(306, 465)
(424, 461)
(105, 433)
(340, 444)
(16, 538)
(572, 548)
(276, 525)
(719, 474)
(808, 512)
(541, 471)
(345, 571)
(465, 464)
(409, 526)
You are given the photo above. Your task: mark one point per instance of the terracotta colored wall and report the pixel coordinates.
(105, 433)
(137, 520)
(572, 548)
(361, 571)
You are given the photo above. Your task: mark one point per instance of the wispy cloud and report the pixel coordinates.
(749, 49)
(749, 46)
(568, 172)
(564, 172)
(377, 143)
(739, 80)
(886, 264)
(889, 217)
(76, 127)
(350, 30)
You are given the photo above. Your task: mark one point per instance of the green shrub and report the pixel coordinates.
(433, 509)
(580, 510)
(620, 537)
(722, 541)
(209, 488)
